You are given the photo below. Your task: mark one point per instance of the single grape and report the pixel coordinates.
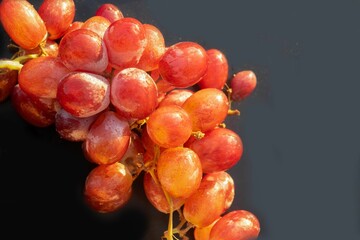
(108, 139)
(156, 196)
(110, 12)
(218, 157)
(22, 23)
(154, 50)
(206, 204)
(183, 64)
(242, 85)
(83, 50)
(236, 225)
(31, 109)
(125, 40)
(217, 72)
(57, 15)
(207, 108)
(40, 76)
(83, 94)
(72, 128)
(133, 93)
(8, 79)
(179, 171)
(108, 187)
(169, 126)
(97, 24)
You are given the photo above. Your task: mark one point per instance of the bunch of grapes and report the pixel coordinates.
(138, 107)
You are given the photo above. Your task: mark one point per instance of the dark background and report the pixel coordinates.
(300, 128)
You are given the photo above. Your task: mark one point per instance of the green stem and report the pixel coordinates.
(10, 64)
(26, 57)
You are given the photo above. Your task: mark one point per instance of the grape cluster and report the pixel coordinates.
(138, 107)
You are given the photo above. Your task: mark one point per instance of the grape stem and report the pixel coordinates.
(10, 64)
(169, 233)
(231, 111)
(198, 134)
(16, 64)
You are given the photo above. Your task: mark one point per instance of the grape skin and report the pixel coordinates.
(207, 108)
(97, 24)
(83, 94)
(108, 139)
(108, 187)
(218, 157)
(217, 71)
(31, 109)
(57, 16)
(110, 12)
(179, 171)
(22, 23)
(83, 50)
(133, 93)
(236, 225)
(125, 40)
(242, 85)
(183, 64)
(169, 126)
(40, 76)
(72, 128)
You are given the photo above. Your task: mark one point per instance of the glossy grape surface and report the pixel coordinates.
(183, 64)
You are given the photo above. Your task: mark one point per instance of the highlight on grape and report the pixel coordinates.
(138, 106)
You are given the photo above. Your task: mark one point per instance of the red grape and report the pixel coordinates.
(133, 93)
(183, 64)
(22, 23)
(40, 76)
(206, 204)
(218, 157)
(97, 24)
(207, 108)
(108, 139)
(31, 109)
(169, 126)
(242, 85)
(217, 71)
(109, 11)
(154, 50)
(108, 187)
(236, 225)
(83, 50)
(125, 40)
(72, 128)
(57, 15)
(179, 171)
(83, 94)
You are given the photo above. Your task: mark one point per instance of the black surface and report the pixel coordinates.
(300, 169)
